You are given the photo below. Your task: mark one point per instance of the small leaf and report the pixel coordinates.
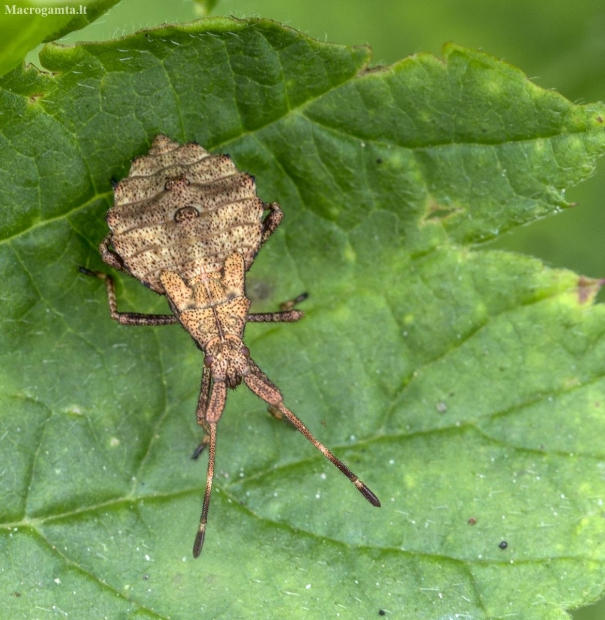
(27, 23)
(463, 385)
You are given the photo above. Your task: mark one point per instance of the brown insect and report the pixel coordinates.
(188, 225)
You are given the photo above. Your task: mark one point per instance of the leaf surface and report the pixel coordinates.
(463, 385)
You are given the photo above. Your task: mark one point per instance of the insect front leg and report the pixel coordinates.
(127, 318)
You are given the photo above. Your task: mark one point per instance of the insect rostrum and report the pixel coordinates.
(188, 225)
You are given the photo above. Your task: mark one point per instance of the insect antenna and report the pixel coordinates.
(261, 385)
(201, 533)
(361, 487)
(209, 419)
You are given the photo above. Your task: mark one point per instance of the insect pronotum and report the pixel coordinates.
(188, 225)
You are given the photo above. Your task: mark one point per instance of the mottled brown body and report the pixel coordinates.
(188, 224)
(184, 210)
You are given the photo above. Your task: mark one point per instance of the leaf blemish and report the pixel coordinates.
(437, 211)
(588, 288)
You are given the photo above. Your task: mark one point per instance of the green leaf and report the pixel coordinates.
(27, 23)
(463, 385)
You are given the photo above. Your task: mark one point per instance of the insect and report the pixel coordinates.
(188, 225)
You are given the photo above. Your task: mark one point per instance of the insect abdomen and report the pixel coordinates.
(184, 210)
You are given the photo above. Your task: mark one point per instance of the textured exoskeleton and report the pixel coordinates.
(188, 225)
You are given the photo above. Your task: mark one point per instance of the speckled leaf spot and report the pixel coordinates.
(188, 225)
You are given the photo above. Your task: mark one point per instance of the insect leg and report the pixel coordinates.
(127, 318)
(271, 222)
(260, 384)
(286, 312)
(213, 412)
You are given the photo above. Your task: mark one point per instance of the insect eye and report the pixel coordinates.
(208, 359)
(245, 351)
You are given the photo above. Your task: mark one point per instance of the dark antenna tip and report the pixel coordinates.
(365, 491)
(199, 542)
